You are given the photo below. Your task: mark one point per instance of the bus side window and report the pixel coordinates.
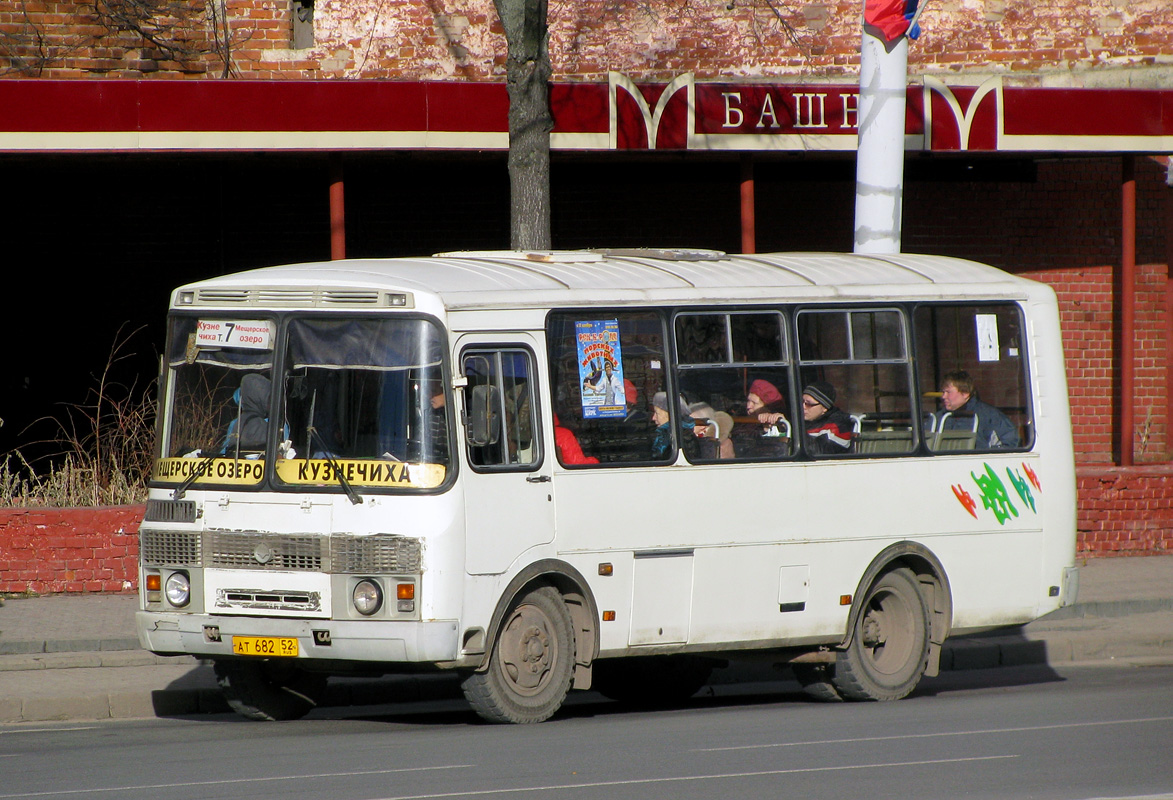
(500, 409)
(733, 370)
(980, 346)
(859, 359)
(606, 366)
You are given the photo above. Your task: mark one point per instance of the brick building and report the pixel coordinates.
(153, 144)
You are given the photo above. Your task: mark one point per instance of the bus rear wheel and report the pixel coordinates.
(889, 647)
(269, 691)
(532, 663)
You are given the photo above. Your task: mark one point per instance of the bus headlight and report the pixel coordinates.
(178, 589)
(367, 597)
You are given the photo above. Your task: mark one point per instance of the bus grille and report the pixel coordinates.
(381, 552)
(170, 511)
(180, 548)
(237, 550)
(340, 554)
(291, 297)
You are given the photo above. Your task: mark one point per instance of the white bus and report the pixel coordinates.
(544, 471)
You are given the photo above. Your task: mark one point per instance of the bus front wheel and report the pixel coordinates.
(532, 663)
(269, 691)
(889, 647)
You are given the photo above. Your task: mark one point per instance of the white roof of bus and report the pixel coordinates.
(517, 279)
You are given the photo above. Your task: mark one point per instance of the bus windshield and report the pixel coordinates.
(357, 391)
(218, 387)
(349, 392)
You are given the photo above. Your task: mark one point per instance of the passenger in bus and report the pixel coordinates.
(436, 425)
(757, 434)
(662, 437)
(765, 402)
(569, 450)
(635, 415)
(959, 397)
(712, 428)
(829, 429)
(250, 428)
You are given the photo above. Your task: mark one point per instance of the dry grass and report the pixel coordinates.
(98, 452)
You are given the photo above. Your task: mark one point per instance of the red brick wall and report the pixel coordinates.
(450, 40)
(51, 550)
(1122, 512)
(1125, 511)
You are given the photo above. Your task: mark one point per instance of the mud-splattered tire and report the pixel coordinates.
(269, 691)
(651, 681)
(889, 647)
(532, 663)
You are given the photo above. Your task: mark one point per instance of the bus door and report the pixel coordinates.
(508, 491)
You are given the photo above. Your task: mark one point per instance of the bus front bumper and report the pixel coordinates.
(210, 636)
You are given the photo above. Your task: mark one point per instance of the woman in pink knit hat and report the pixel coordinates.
(764, 399)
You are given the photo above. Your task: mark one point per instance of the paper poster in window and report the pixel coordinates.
(987, 336)
(600, 369)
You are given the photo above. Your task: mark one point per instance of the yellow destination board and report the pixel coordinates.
(237, 471)
(368, 473)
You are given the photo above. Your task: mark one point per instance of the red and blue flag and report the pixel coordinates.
(893, 18)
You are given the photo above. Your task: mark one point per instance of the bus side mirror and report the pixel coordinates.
(484, 422)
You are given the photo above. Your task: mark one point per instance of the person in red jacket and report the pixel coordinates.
(566, 443)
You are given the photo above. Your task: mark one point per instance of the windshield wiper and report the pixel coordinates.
(355, 497)
(200, 470)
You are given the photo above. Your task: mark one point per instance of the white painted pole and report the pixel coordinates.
(879, 166)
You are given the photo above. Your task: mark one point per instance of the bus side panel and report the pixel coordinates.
(753, 531)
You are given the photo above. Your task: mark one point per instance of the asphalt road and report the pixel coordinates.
(1081, 732)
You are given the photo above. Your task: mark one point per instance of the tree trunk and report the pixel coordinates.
(530, 122)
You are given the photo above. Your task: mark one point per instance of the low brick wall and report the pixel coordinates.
(1125, 511)
(55, 550)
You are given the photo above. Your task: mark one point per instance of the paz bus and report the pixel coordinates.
(542, 471)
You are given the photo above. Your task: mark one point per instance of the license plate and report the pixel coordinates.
(264, 646)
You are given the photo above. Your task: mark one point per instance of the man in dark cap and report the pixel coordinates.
(828, 429)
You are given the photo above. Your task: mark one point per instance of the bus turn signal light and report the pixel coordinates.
(405, 591)
(844, 599)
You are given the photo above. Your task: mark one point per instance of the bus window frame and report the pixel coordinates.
(533, 379)
(908, 360)
(788, 363)
(451, 471)
(164, 421)
(667, 356)
(1029, 426)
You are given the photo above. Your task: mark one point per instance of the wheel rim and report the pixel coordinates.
(527, 650)
(887, 632)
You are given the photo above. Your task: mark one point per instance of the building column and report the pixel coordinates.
(1127, 308)
(748, 221)
(337, 209)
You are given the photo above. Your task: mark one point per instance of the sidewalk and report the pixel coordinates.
(77, 657)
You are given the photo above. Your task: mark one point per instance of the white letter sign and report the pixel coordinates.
(252, 334)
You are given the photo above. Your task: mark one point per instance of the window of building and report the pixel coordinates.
(302, 35)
